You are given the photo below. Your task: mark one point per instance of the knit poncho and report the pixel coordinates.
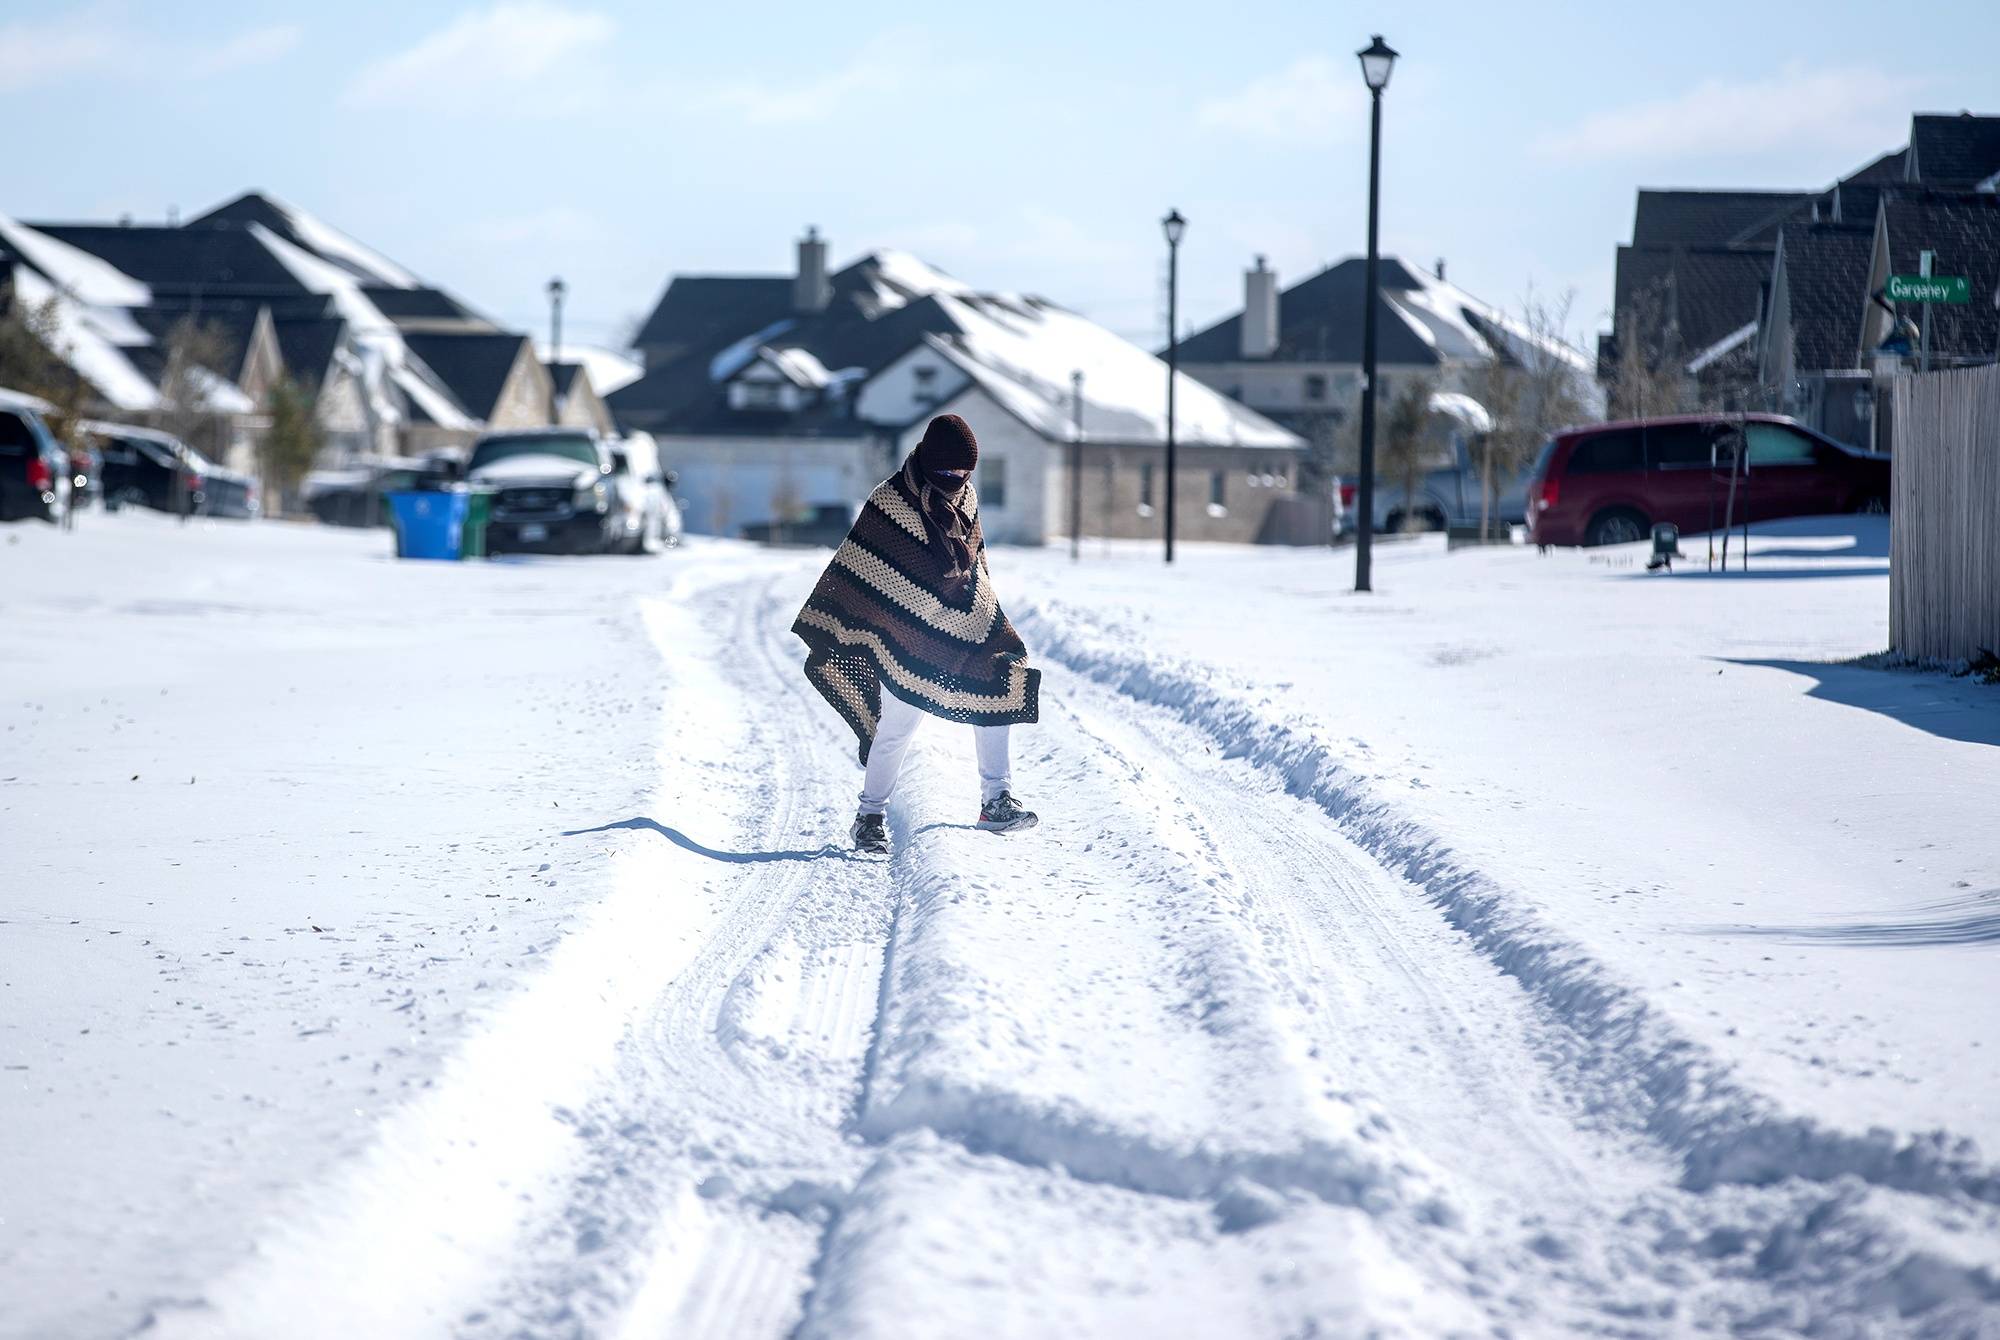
(880, 617)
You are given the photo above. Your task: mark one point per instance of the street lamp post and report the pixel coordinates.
(1174, 226)
(556, 291)
(1377, 60)
(1076, 467)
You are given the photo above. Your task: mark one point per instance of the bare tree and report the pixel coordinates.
(1648, 376)
(34, 360)
(1531, 390)
(195, 353)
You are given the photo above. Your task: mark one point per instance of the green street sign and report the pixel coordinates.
(1931, 288)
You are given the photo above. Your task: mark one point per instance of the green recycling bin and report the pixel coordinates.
(478, 511)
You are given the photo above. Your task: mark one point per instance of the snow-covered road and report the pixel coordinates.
(1189, 1059)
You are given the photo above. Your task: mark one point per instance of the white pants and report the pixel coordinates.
(893, 734)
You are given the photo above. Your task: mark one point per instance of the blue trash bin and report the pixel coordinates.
(428, 525)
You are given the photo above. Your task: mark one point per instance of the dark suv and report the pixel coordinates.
(1609, 483)
(143, 467)
(552, 491)
(34, 469)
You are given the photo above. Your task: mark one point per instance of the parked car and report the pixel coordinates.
(1449, 485)
(823, 526)
(553, 491)
(1611, 482)
(143, 467)
(644, 499)
(35, 478)
(360, 496)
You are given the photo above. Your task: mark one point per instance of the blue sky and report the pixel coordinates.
(1028, 146)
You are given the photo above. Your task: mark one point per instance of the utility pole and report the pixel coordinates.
(1076, 466)
(1924, 269)
(1175, 227)
(556, 291)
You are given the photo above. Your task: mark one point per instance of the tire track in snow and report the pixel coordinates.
(732, 1088)
(1644, 1229)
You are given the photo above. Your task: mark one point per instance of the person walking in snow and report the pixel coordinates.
(904, 622)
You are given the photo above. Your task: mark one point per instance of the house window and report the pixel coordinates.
(1145, 488)
(1315, 386)
(1218, 493)
(993, 482)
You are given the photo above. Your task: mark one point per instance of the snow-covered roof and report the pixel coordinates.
(317, 236)
(389, 357)
(734, 357)
(900, 277)
(1735, 339)
(798, 366)
(22, 400)
(1023, 352)
(1460, 406)
(84, 338)
(82, 275)
(608, 369)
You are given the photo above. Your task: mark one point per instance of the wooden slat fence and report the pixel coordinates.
(1944, 549)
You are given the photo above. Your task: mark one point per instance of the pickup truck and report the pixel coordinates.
(1448, 485)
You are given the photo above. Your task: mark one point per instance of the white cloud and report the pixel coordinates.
(884, 64)
(1844, 110)
(503, 51)
(1314, 100)
(100, 41)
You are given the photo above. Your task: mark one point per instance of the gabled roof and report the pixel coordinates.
(180, 261)
(563, 377)
(473, 367)
(887, 305)
(1954, 151)
(423, 305)
(1711, 218)
(308, 345)
(1707, 292)
(1826, 283)
(1419, 318)
(233, 326)
(707, 311)
(303, 230)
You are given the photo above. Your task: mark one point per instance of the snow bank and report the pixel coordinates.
(1681, 1094)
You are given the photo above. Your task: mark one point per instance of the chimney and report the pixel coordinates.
(1259, 326)
(1440, 269)
(810, 290)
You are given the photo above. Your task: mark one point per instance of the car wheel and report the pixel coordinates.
(126, 497)
(1873, 505)
(1616, 525)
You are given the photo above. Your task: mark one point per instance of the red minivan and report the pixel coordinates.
(1609, 483)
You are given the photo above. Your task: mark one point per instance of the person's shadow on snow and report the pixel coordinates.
(686, 843)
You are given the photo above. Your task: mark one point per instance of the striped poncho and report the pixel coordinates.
(880, 618)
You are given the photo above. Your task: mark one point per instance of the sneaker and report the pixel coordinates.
(869, 833)
(1003, 814)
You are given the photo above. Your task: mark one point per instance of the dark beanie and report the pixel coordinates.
(948, 445)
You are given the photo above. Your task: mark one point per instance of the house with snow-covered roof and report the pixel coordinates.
(398, 367)
(772, 395)
(1295, 355)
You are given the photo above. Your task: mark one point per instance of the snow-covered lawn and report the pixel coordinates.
(405, 949)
